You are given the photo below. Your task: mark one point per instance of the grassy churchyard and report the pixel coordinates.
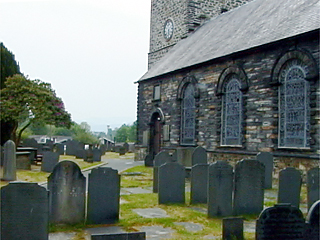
(176, 221)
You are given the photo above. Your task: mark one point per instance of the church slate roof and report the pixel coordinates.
(254, 24)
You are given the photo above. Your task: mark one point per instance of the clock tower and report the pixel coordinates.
(173, 20)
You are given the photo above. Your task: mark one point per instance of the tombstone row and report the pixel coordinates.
(228, 191)
(27, 208)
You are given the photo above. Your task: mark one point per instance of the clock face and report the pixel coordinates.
(168, 29)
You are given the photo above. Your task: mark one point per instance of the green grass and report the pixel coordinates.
(143, 180)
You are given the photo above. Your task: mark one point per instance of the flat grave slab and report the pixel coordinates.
(157, 232)
(190, 226)
(137, 190)
(105, 230)
(62, 236)
(151, 213)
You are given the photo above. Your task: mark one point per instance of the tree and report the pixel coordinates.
(126, 133)
(82, 133)
(25, 101)
(8, 67)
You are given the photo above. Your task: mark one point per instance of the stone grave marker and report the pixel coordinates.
(313, 222)
(232, 228)
(199, 155)
(313, 193)
(67, 187)
(220, 189)
(30, 142)
(289, 186)
(120, 236)
(160, 159)
(184, 156)
(96, 155)
(249, 187)
(199, 183)
(267, 159)
(103, 196)
(72, 147)
(9, 161)
(148, 160)
(24, 212)
(280, 222)
(49, 160)
(59, 148)
(171, 183)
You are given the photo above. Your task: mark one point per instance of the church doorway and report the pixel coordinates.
(155, 134)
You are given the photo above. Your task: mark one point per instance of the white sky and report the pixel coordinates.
(91, 51)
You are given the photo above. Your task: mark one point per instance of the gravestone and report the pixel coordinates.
(184, 156)
(122, 151)
(313, 193)
(96, 155)
(289, 186)
(313, 221)
(30, 142)
(232, 228)
(23, 160)
(199, 155)
(60, 148)
(9, 161)
(220, 188)
(281, 222)
(67, 187)
(103, 196)
(267, 159)
(72, 147)
(160, 159)
(120, 236)
(24, 212)
(171, 183)
(249, 187)
(126, 146)
(148, 160)
(199, 183)
(49, 160)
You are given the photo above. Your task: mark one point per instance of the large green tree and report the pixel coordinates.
(25, 101)
(8, 67)
(82, 133)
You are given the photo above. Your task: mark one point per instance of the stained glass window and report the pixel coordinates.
(294, 107)
(231, 113)
(188, 116)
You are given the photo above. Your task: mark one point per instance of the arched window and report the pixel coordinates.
(231, 132)
(188, 115)
(294, 105)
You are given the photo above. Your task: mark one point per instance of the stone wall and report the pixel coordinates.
(260, 125)
(186, 16)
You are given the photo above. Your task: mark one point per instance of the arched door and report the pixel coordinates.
(155, 134)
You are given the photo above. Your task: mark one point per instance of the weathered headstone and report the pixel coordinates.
(289, 186)
(30, 142)
(9, 161)
(249, 187)
(160, 159)
(171, 183)
(120, 236)
(49, 160)
(103, 196)
(267, 159)
(60, 148)
(184, 156)
(280, 222)
(72, 147)
(126, 146)
(220, 188)
(148, 160)
(232, 228)
(313, 222)
(67, 187)
(199, 155)
(122, 151)
(24, 212)
(199, 183)
(23, 160)
(96, 155)
(313, 181)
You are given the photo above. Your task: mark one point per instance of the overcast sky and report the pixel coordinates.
(91, 51)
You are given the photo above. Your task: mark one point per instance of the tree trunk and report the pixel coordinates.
(20, 133)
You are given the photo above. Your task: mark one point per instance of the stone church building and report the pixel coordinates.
(235, 77)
